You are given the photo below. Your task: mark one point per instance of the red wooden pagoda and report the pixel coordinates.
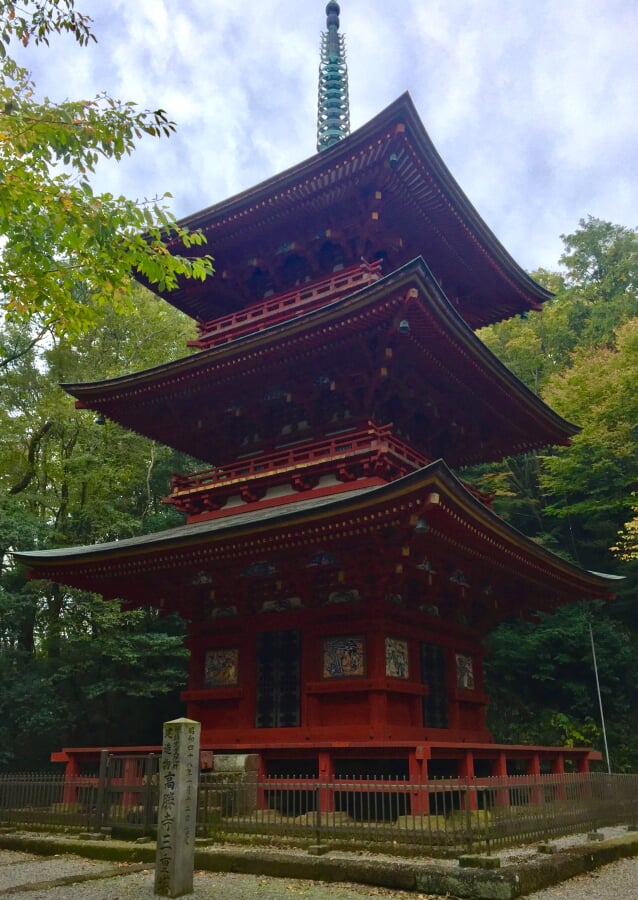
(337, 576)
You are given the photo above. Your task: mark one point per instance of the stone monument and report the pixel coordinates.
(177, 813)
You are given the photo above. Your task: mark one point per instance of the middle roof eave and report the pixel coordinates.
(145, 401)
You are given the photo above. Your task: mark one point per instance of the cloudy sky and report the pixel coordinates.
(533, 105)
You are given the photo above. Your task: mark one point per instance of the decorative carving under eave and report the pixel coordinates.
(304, 482)
(252, 493)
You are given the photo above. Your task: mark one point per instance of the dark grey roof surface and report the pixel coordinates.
(231, 522)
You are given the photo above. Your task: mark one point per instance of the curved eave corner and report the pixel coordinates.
(464, 208)
(469, 504)
(510, 383)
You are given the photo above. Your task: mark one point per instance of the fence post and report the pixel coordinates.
(470, 805)
(633, 825)
(177, 814)
(100, 802)
(5, 800)
(318, 803)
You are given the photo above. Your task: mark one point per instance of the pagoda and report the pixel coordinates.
(337, 576)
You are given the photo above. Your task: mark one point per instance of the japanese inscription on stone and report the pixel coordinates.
(177, 813)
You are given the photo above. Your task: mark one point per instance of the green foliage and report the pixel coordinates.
(602, 260)
(32, 719)
(595, 294)
(56, 232)
(542, 683)
(71, 665)
(36, 20)
(107, 650)
(81, 669)
(116, 680)
(592, 479)
(579, 354)
(627, 546)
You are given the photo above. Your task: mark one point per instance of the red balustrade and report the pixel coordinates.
(375, 439)
(285, 306)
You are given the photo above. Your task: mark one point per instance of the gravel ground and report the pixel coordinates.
(25, 876)
(24, 868)
(20, 868)
(618, 881)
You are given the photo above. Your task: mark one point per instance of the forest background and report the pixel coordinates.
(75, 670)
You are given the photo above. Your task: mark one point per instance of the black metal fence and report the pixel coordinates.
(437, 816)
(465, 813)
(121, 793)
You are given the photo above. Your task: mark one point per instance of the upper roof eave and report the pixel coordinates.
(302, 170)
(401, 112)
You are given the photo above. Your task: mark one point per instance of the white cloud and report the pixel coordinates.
(533, 107)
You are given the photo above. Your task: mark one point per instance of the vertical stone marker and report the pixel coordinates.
(177, 814)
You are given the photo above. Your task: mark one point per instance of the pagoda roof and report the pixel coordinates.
(391, 158)
(451, 374)
(145, 568)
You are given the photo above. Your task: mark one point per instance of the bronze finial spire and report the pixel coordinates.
(333, 121)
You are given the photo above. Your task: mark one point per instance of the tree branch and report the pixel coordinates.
(34, 443)
(16, 354)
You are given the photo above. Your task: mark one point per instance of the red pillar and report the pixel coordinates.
(583, 763)
(71, 775)
(261, 777)
(418, 773)
(558, 765)
(466, 771)
(499, 771)
(558, 771)
(534, 769)
(130, 777)
(326, 782)
(583, 769)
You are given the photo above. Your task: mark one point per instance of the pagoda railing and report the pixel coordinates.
(284, 306)
(376, 440)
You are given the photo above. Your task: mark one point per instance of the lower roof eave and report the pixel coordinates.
(98, 566)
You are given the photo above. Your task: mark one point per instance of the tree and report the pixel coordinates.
(68, 252)
(564, 353)
(73, 667)
(627, 546)
(602, 259)
(541, 682)
(591, 481)
(595, 293)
